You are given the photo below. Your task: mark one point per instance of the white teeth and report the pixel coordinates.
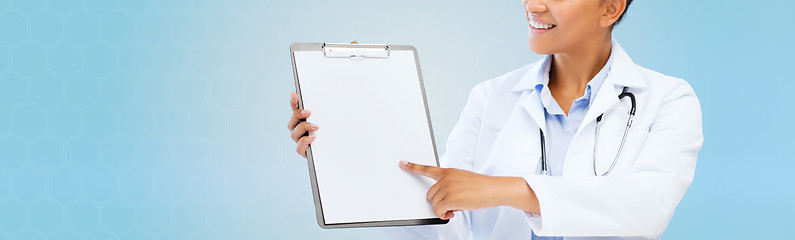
(538, 25)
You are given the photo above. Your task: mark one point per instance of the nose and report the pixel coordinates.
(535, 6)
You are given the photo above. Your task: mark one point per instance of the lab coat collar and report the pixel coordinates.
(534, 76)
(623, 72)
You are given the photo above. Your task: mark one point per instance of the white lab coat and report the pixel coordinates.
(498, 135)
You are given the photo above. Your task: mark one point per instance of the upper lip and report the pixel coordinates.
(531, 18)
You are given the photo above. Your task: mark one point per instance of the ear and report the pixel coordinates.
(611, 11)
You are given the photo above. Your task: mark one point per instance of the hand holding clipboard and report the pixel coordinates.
(354, 177)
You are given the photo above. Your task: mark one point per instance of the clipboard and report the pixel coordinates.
(369, 102)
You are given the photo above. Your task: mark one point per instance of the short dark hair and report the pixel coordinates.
(624, 13)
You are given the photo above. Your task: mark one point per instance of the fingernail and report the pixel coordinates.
(404, 163)
(305, 112)
(314, 126)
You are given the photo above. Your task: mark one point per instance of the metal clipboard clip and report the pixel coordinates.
(355, 50)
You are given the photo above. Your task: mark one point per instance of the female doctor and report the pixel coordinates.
(584, 143)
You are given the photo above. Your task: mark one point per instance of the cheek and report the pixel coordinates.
(572, 28)
(578, 22)
(569, 22)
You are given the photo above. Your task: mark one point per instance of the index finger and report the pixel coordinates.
(294, 100)
(429, 171)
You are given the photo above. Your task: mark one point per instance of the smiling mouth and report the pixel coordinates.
(540, 26)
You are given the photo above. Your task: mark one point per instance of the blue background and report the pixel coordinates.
(167, 119)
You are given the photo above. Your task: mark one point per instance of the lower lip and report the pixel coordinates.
(539, 31)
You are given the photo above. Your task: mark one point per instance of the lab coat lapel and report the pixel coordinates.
(529, 99)
(606, 98)
(532, 104)
(623, 73)
(518, 144)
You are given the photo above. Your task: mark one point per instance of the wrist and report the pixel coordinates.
(517, 194)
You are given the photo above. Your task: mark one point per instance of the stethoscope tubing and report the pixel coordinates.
(624, 93)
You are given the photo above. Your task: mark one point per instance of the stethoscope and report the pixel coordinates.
(624, 93)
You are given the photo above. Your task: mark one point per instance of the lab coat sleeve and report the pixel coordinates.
(462, 142)
(640, 203)
(460, 154)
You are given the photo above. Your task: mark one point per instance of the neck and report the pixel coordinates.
(571, 71)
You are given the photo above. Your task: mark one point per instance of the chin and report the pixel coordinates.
(538, 46)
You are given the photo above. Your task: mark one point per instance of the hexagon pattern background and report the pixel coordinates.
(144, 119)
(147, 120)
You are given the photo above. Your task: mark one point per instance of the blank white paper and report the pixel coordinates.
(371, 115)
